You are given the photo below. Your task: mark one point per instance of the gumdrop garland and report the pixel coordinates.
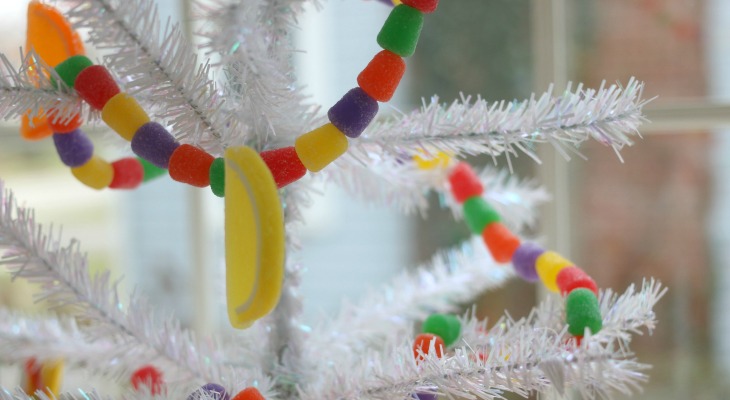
(530, 261)
(150, 379)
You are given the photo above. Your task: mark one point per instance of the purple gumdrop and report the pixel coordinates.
(425, 396)
(74, 147)
(353, 113)
(213, 390)
(524, 261)
(154, 143)
(388, 2)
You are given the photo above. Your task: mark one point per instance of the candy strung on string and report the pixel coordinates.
(155, 144)
(210, 391)
(478, 214)
(74, 148)
(524, 260)
(582, 311)
(95, 173)
(401, 30)
(217, 175)
(445, 326)
(124, 115)
(318, 148)
(382, 75)
(572, 278)
(96, 86)
(250, 393)
(70, 68)
(128, 174)
(500, 242)
(148, 378)
(191, 165)
(254, 237)
(548, 265)
(353, 112)
(284, 164)
(426, 6)
(150, 170)
(464, 182)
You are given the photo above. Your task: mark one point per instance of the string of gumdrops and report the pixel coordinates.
(158, 150)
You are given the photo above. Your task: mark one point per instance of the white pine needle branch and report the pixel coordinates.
(65, 280)
(515, 356)
(252, 40)
(451, 278)
(609, 115)
(158, 64)
(29, 88)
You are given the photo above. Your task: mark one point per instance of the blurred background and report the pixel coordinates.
(662, 212)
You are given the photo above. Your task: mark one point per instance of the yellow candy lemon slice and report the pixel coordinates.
(254, 226)
(51, 36)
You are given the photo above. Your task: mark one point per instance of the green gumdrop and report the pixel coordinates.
(151, 171)
(401, 30)
(70, 68)
(446, 326)
(478, 214)
(218, 177)
(582, 311)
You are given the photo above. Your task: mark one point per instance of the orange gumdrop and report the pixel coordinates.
(36, 129)
(50, 35)
(382, 75)
(191, 165)
(500, 241)
(422, 345)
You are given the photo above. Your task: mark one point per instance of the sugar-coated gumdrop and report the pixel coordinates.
(74, 148)
(582, 311)
(96, 86)
(154, 143)
(124, 115)
(478, 214)
(148, 377)
(425, 396)
(318, 148)
(401, 30)
(524, 259)
(500, 241)
(284, 164)
(422, 345)
(572, 278)
(250, 393)
(63, 124)
(150, 170)
(70, 68)
(464, 182)
(218, 177)
(426, 6)
(50, 35)
(548, 265)
(36, 128)
(445, 326)
(353, 112)
(128, 173)
(96, 173)
(381, 76)
(191, 165)
(210, 391)
(254, 234)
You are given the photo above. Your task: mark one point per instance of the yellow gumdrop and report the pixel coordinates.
(427, 162)
(318, 148)
(124, 115)
(396, 2)
(548, 265)
(254, 229)
(96, 173)
(52, 377)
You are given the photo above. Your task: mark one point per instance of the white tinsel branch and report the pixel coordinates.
(29, 88)
(158, 64)
(609, 115)
(516, 356)
(65, 280)
(252, 41)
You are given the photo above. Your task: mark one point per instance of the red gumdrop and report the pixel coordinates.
(284, 164)
(500, 241)
(250, 393)
(150, 377)
(191, 165)
(573, 278)
(422, 345)
(425, 6)
(464, 182)
(128, 173)
(62, 124)
(95, 85)
(382, 75)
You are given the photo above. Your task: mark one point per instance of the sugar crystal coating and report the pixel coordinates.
(191, 165)
(426, 6)
(218, 177)
(124, 115)
(318, 148)
(154, 143)
(401, 30)
(572, 278)
(284, 165)
(74, 148)
(96, 86)
(353, 112)
(582, 311)
(381, 76)
(95, 173)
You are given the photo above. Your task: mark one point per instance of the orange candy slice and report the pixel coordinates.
(51, 36)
